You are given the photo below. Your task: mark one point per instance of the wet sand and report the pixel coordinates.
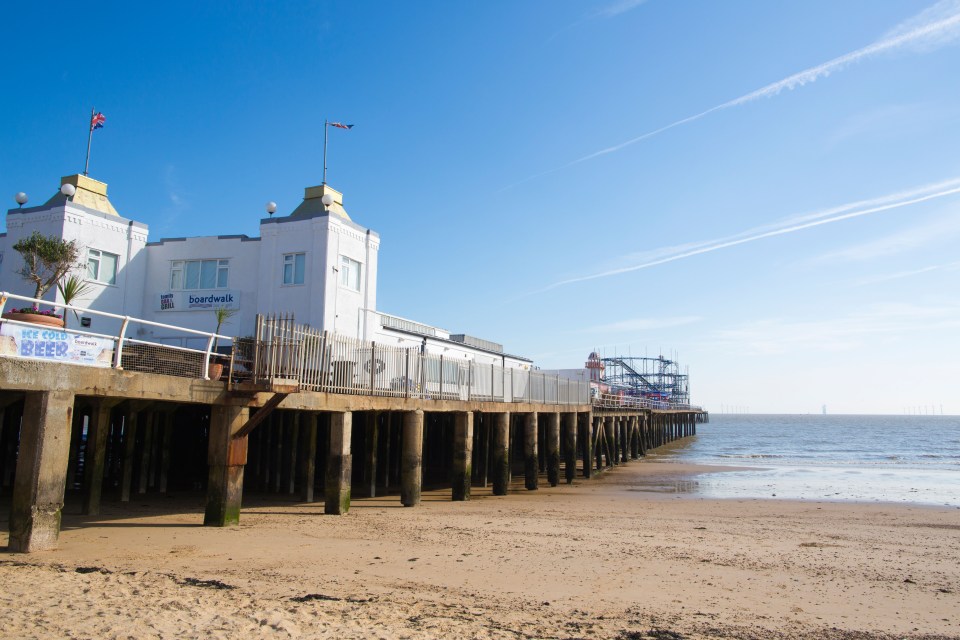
(627, 555)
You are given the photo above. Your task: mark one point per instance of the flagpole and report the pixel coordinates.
(325, 127)
(86, 166)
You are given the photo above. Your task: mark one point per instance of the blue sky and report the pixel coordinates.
(487, 154)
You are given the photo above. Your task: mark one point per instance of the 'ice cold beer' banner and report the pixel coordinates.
(55, 346)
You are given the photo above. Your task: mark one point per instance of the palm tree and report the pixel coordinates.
(222, 314)
(71, 288)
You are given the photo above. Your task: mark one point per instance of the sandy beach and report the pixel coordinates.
(625, 555)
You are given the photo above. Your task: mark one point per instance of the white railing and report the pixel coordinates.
(283, 351)
(617, 401)
(116, 349)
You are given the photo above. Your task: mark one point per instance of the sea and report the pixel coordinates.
(902, 459)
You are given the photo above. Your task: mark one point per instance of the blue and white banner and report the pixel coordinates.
(198, 300)
(53, 345)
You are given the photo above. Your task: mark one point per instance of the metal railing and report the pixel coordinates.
(617, 401)
(282, 351)
(117, 349)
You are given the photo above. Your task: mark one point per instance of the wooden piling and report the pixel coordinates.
(500, 465)
(462, 455)
(308, 455)
(339, 465)
(553, 448)
(569, 424)
(411, 464)
(95, 456)
(531, 472)
(226, 458)
(41, 473)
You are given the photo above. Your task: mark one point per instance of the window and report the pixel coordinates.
(199, 274)
(349, 273)
(101, 266)
(293, 267)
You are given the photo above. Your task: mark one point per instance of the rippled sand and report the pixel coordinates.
(624, 556)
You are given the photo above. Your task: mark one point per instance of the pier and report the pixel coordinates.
(297, 413)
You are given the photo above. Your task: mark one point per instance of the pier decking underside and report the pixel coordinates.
(103, 434)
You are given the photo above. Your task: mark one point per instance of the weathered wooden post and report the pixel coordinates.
(166, 444)
(149, 419)
(41, 474)
(530, 469)
(553, 448)
(569, 423)
(339, 465)
(411, 463)
(95, 455)
(226, 457)
(371, 431)
(610, 432)
(462, 455)
(129, 449)
(308, 454)
(585, 430)
(500, 468)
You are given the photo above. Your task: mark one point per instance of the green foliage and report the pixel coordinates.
(46, 259)
(222, 314)
(71, 288)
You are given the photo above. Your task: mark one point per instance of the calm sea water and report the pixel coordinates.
(912, 459)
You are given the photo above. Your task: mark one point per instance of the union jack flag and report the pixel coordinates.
(96, 122)
(340, 125)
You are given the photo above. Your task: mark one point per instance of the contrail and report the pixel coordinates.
(827, 216)
(925, 32)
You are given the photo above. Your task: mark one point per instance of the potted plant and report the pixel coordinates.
(71, 288)
(46, 260)
(222, 314)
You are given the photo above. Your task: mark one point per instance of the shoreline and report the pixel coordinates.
(574, 561)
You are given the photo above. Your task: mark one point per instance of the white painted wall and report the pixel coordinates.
(255, 276)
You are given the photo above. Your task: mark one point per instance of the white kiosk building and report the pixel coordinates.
(315, 263)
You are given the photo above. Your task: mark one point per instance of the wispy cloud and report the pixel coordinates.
(926, 31)
(777, 336)
(617, 8)
(950, 266)
(609, 11)
(938, 231)
(641, 324)
(789, 225)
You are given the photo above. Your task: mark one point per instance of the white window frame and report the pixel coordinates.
(178, 274)
(350, 273)
(94, 264)
(290, 260)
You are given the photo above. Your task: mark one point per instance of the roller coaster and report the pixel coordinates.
(658, 379)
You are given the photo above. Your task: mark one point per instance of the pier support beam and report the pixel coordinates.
(226, 457)
(500, 467)
(371, 434)
(129, 449)
(462, 455)
(610, 431)
(553, 448)
(624, 439)
(531, 471)
(585, 428)
(569, 424)
(411, 462)
(41, 474)
(339, 465)
(308, 454)
(95, 456)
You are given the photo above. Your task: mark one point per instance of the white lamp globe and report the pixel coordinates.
(271, 207)
(21, 198)
(68, 190)
(327, 199)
